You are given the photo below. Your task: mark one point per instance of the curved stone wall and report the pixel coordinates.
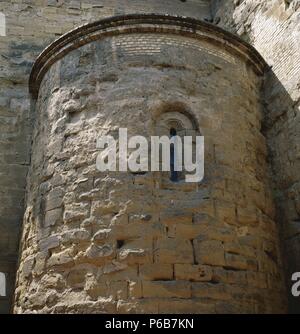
(130, 243)
(272, 27)
(29, 27)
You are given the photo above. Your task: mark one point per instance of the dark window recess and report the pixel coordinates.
(120, 243)
(174, 173)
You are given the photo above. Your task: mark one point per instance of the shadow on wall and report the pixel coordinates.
(281, 127)
(15, 132)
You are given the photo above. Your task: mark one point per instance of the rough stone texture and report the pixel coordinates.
(129, 243)
(273, 27)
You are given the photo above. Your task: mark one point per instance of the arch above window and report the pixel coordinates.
(2, 285)
(174, 120)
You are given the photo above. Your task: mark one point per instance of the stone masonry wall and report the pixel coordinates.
(30, 26)
(273, 27)
(128, 243)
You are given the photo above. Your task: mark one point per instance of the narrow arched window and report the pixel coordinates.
(176, 126)
(174, 173)
(2, 285)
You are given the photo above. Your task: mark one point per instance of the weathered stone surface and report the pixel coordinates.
(173, 251)
(164, 289)
(151, 239)
(234, 261)
(53, 217)
(156, 271)
(28, 266)
(272, 27)
(221, 275)
(209, 252)
(48, 243)
(195, 273)
(211, 291)
(54, 199)
(63, 258)
(99, 252)
(186, 306)
(76, 212)
(155, 244)
(76, 235)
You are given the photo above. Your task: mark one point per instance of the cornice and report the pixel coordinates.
(142, 23)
